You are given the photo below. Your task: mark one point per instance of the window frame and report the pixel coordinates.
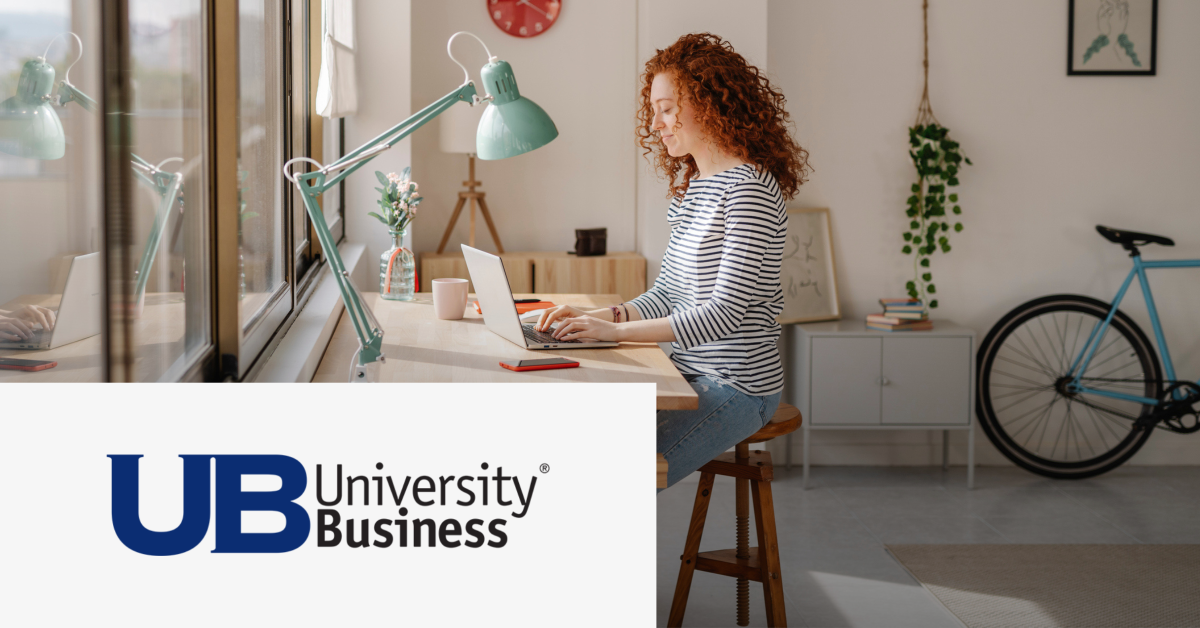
(236, 351)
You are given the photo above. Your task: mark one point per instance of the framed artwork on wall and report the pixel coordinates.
(1112, 37)
(808, 275)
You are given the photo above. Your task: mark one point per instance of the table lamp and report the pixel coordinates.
(459, 128)
(30, 128)
(509, 126)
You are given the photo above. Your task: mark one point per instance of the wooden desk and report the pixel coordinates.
(158, 340)
(422, 348)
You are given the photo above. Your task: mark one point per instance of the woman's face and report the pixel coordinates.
(673, 122)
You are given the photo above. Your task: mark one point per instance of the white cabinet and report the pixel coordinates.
(844, 376)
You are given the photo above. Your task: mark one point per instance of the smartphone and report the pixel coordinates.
(540, 365)
(26, 365)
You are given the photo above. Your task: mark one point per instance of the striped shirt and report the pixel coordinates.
(719, 284)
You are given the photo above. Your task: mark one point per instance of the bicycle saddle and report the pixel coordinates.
(1132, 239)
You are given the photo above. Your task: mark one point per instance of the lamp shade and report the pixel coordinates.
(29, 127)
(458, 126)
(511, 124)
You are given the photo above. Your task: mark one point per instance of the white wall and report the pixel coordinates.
(581, 72)
(1054, 156)
(384, 70)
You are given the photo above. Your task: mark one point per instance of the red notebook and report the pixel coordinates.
(523, 307)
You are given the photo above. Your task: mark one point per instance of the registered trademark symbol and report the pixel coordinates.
(545, 468)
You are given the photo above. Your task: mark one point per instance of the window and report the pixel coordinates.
(170, 209)
(201, 256)
(50, 186)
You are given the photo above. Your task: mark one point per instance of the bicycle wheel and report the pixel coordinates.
(1024, 406)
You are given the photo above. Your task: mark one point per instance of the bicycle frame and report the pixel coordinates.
(1089, 348)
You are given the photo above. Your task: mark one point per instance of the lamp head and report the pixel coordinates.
(29, 126)
(511, 124)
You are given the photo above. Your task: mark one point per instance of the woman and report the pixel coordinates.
(706, 112)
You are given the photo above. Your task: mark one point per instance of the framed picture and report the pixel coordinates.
(1112, 37)
(808, 275)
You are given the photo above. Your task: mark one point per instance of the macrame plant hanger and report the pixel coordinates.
(925, 110)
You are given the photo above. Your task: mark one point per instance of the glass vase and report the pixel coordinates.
(397, 269)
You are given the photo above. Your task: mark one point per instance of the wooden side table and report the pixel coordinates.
(848, 377)
(551, 272)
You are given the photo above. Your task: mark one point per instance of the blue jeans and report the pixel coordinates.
(726, 416)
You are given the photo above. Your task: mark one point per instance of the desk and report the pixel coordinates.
(158, 344)
(422, 348)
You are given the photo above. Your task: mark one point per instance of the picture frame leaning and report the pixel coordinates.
(1112, 38)
(808, 275)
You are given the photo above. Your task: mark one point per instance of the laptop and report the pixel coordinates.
(500, 312)
(78, 314)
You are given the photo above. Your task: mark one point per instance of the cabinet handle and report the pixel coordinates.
(883, 381)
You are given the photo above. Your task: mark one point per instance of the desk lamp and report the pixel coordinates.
(29, 127)
(511, 125)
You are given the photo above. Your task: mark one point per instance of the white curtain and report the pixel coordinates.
(337, 89)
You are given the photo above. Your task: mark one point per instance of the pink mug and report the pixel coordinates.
(450, 298)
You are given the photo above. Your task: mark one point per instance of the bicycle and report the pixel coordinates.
(1070, 405)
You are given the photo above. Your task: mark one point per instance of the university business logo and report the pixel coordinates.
(385, 495)
(231, 501)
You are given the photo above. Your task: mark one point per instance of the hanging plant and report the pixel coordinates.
(938, 160)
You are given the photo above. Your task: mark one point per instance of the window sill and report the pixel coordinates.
(297, 355)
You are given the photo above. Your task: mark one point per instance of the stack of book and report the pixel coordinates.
(900, 315)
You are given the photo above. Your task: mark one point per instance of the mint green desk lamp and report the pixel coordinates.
(30, 128)
(511, 125)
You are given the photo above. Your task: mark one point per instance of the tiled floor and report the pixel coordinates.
(832, 536)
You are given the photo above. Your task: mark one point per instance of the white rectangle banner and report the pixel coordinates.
(437, 504)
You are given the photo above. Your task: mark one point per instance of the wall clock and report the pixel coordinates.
(524, 18)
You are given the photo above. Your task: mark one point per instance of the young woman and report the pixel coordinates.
(706, 112)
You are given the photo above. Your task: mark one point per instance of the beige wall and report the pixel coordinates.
(581, 73)
(1054, 156)
(385, 93)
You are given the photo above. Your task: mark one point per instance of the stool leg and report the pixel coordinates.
(768, 554)
(687, 562)
(742, 505)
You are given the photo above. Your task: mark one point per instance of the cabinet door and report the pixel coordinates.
(845, 380)
(434, 266)
(617, 273)
(928, 380)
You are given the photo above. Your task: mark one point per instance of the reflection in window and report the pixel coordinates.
(170, 200)
(49, 191)
(260, 121)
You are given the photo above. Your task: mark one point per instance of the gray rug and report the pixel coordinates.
(1086, 586)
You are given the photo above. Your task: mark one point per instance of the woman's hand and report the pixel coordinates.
(556, 313)
(586, 327)
(19, 325)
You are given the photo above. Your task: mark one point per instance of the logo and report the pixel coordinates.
(381, 497)
(231, 501)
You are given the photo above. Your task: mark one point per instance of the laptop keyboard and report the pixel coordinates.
(36, 339)
(542, 338)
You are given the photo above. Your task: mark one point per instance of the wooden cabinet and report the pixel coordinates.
(844, 376)
(551, 272)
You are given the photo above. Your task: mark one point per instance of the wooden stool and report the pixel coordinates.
(761, 564)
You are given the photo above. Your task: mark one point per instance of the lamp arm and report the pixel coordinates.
(167, 184)
(68, 92)
(169, 194)
(358, 157)
(312, 184)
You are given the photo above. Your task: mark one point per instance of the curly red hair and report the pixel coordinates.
(734, 104)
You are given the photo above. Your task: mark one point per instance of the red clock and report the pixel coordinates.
(524, 18)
